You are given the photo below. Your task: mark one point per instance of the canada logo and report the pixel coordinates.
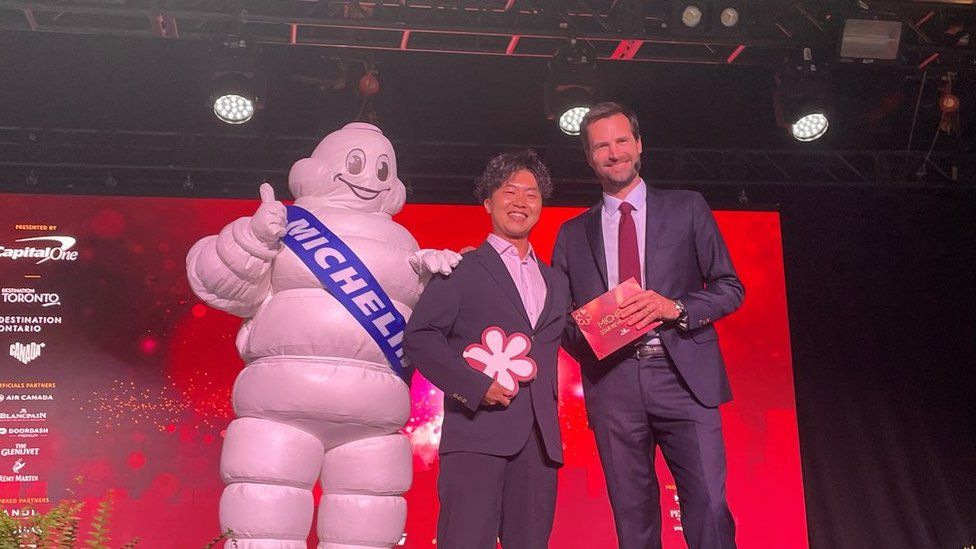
(502, 357)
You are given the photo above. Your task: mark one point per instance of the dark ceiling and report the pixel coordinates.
(108, 97)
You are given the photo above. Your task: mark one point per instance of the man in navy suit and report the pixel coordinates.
(665, 390)
(501, 310)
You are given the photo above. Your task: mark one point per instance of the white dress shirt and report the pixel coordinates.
(525, 274)
(610, 218)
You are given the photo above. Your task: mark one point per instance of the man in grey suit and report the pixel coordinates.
(504, 311)
(665, 390)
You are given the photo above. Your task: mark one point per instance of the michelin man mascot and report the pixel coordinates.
(325, 288)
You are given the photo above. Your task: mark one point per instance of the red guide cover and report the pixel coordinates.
(600, 321)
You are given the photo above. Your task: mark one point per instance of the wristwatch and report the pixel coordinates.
(682, 320)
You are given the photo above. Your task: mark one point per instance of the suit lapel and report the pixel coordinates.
(594, 235)
(547, 308)
(654, 225)
(496, 268)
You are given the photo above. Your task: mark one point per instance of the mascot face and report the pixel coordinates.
(355, 168)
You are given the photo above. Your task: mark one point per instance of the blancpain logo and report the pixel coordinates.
(30, 296)
(61, 252)
(23, 415)
(26, 352)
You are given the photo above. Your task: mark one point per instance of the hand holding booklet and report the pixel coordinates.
(601, 323)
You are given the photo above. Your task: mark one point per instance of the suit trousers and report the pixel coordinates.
(484, 497)
(651, 406)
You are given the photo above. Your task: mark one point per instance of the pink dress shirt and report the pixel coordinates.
(526, 275)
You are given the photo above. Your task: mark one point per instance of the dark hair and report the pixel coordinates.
(606, 110)
(503, 166)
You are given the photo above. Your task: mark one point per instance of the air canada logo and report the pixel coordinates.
(23, 415)
(48, 248)
(26, 352)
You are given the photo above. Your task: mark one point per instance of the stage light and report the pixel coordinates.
(706, 17)
(571, 119)
(869, 39)
(802, 103)
(729, 17)
(235, 92)
(233, 108)
(234, 100)
(570, 87)
(810, 127)
(691, 16)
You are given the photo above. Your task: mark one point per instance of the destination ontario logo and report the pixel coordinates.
(42, 248)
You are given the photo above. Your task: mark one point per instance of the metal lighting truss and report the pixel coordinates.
(200, 164)
(626, 30)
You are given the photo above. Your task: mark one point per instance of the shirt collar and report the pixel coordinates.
(503, 246)
(637, 198)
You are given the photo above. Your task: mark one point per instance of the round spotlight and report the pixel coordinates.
(810, 127)
(233, 108)
(729, 17)
(691, 16)
(569, 120)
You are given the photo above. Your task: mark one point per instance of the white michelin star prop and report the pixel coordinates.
(317, 399)
(502, 357)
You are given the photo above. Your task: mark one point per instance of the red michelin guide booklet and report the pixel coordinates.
(600, 321)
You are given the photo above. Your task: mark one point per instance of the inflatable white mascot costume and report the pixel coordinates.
(319, 397)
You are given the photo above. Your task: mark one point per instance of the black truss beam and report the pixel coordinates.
(771, 30)
(199, 164)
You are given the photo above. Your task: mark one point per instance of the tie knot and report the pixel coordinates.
(626, 208)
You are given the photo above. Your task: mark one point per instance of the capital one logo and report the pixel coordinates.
(26, 352)
(61, 252)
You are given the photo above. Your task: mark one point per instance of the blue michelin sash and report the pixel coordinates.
(345, 276)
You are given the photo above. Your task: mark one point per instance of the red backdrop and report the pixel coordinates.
(133, 381)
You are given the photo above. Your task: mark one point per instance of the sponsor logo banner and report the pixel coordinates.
(29, 296)
(43, 251)
(26, 352)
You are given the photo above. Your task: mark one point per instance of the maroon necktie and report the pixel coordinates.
(628, 259)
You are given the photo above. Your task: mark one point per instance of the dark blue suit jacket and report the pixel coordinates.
(685, 258)
(452, 313)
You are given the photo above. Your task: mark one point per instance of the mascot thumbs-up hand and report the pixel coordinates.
(269, 221)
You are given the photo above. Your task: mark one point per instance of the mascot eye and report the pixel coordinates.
(355, 161)
(383, 167)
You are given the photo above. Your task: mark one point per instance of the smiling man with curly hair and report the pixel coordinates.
(488, 336)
